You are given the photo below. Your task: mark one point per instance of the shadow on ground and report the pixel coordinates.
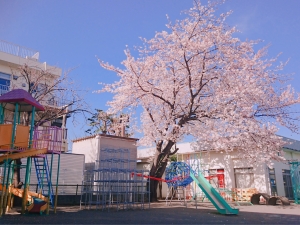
(171, 215)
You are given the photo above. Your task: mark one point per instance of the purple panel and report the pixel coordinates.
(50, 137)
(21, 96)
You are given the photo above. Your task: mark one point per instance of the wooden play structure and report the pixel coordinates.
(36, 144)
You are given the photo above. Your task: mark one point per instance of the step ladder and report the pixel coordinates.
(43, 177)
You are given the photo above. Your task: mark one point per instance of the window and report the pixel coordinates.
(216, 178)
(4, 83)
(244, 177)
(272, 182)
(287, 183)
(37, 88)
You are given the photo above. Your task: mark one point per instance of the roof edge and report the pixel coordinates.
(103, 135)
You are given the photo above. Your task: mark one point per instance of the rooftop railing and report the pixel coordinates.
(18, 50)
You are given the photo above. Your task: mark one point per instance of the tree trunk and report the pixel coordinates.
(16, 177)
(160, 190)
(158, 168)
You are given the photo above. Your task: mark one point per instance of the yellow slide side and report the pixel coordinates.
(19, 193)
(24, 154)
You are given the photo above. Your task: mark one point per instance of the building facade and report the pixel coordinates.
(14, 56)
(227, 171)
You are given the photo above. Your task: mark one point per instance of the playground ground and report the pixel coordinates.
(159, 213)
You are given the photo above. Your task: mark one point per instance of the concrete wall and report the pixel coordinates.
(88, 146)
(92, 147)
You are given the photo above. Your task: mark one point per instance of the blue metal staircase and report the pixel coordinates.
(43, 177)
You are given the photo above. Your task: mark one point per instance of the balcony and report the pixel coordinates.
(57, 103)
(18, 50)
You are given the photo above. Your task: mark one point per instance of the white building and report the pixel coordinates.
(12, 57)
(232, 173)
(92, 147)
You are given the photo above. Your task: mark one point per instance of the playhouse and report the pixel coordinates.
(37, 145)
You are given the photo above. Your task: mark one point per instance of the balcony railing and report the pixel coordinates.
(18, 50)
(4, 89)
(57, 103)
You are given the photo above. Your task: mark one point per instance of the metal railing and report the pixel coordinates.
(4, 89)
(18, 50)
(63, 189)
(57, 103)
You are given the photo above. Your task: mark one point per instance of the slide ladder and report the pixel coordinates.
(43, 177)
(212, 194)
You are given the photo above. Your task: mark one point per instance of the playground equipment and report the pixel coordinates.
(177, 178)
(115, 182)
(180, 174)
(18, 141)
(215, 177)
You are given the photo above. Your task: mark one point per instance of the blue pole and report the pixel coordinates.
(1, 114)
(31, 127)
(2, 206)
(56, 189)
(19, 115)
(14, 125)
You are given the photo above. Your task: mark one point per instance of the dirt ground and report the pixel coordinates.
(160, 213)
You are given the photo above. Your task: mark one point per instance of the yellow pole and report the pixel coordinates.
(9, 198)
(26, 185)
(24, 199)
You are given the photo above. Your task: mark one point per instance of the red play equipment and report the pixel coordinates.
(159, 179)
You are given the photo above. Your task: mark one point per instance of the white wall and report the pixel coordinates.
(92, 147)
(70, 173)
(8, 62)
(228, 162)
(87, 146)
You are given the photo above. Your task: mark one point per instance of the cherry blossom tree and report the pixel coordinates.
(198, 79)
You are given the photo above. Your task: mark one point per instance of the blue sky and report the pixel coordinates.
(70, 33)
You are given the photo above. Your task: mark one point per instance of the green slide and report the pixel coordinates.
(216, 199)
